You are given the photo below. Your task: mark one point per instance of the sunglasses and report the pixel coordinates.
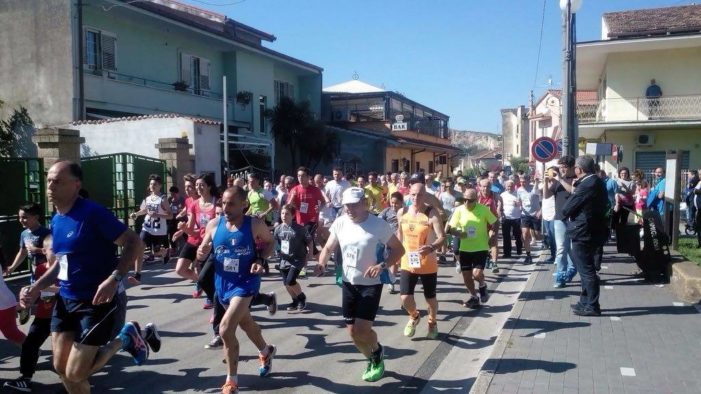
(470, 201)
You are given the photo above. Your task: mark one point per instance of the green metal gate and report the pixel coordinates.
(119, 181)
(24, 181)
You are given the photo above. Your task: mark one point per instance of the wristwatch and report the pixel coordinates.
(117, 276)
(383, 265)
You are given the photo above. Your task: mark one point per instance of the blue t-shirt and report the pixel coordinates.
(652, 201)
(234, 254)
(611, 189)
(35, 238)
(497, 188)
(83, 241)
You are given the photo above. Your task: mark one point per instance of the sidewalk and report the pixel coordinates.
(646, 341)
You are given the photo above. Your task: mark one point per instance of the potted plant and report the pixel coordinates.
(244, 97)
(180, 85)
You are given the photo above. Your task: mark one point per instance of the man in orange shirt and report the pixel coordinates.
(421, 233)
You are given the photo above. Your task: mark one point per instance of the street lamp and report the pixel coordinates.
(569, 81)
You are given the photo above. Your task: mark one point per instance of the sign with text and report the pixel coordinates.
(400, 126)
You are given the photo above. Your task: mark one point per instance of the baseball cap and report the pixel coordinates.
(417, 178)
(461, 180)
(352, 195)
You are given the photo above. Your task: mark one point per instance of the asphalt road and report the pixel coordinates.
(315, 353)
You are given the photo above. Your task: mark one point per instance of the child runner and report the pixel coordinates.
(295, 250)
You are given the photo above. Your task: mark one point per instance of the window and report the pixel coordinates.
(431, 168)
(195, 71)
(284, 89)
(100, 50)
(262, 106)
(395, 165)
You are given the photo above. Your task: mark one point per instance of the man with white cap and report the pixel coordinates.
(363, 239)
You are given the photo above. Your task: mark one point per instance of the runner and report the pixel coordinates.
(307, 199)
(231, 239)
(421, 233)
(8, 311)
(31, 240)
(154, 231)
(295, 250)
(446, 196)
(334, 190)
(374, 193)
(261, 202)
(177, 203)
(490, 199)
(472, 223)
(389, 215)
(360, 235)
(85, 239)
(529, 195)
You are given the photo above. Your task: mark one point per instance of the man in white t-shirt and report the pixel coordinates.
(511, 218)
(362, 237)
(334, 190)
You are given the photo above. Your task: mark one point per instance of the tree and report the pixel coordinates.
(321, 146)
(15, 134)
(519, 164)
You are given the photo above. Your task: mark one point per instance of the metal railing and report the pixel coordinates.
(638, 109)
(160, 85)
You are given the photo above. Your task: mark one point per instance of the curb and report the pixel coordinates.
(486, 375)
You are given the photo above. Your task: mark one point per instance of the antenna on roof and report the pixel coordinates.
(550, 80)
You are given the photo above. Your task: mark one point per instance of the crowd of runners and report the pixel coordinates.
(380, 232)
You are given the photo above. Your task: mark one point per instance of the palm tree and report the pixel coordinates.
(288, 123)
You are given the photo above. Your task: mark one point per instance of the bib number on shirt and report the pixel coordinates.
(303, 207)
(471, 232)
(350, 256)
(414, 260)
(204, 219)
(285, 247)
(63, 265)
(231, 265)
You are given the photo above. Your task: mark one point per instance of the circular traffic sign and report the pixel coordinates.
(544, 149)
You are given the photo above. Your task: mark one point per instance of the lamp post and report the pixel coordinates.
(569, 82)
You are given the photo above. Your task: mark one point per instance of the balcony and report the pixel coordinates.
(640, 109)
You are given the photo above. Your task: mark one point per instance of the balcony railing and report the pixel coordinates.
(640, 109)
(115, 76)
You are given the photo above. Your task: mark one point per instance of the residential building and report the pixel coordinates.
(148, 57)
(385, 131)
(515, 131)
(636, 47)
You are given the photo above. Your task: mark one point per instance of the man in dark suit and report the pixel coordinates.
(585, 213)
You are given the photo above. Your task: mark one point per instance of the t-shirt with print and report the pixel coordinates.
(201, 218)
(259, 201)
(359, 243)
(176, 205)
(474, 223)
(83, 241)
(153, 224)
(334, 190)
(530, 201)
(292, 240)
(36, 239)
(307, 201)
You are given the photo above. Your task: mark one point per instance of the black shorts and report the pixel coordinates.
(408, 281)
(473, 260)
(311, 228)
(188, 252)
(153, 241)
(360, 302)
(530, 222)
(290, 274)
(93, 325)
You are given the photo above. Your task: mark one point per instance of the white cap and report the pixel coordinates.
(352, 195)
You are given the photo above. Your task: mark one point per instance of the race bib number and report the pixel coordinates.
(350, 256)
(285, 247)
(204, 219)
(231, 265)
(471, 232)
(414, 260)
(63, 265)
(303, 207)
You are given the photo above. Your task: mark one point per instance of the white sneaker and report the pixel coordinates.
(457, 266)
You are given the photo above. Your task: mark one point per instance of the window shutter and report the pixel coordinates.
(291, 91)
(109, 51)
(204, 74)
(185, 68)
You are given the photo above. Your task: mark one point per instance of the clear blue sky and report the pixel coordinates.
(465, 58)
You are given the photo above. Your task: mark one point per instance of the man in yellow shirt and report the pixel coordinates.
(374, 194)
(473, 224)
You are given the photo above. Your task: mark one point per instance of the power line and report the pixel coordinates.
(540, 45)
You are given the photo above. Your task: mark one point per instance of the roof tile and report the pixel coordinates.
(654, 22)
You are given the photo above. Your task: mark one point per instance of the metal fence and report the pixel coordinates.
(631, 109)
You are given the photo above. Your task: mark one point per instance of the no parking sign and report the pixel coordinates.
(544, 149)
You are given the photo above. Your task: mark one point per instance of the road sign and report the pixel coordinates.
(544, 149)
(559, 147)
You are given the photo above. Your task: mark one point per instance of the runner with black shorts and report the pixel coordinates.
(176, 203)
(85, 239)
(307, 199)
(472, 223)
(360, 235)
(421, 233)
(295, 250)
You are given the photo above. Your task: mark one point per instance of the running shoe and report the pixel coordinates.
(391, 289)
(20, 384)
(432, 330)
(302, 305)
(410, 328)
(132, 342)
(229, 388)
(528, 260)
(292, 306)
(272, 306)
(198, 291)
(208, 304)
(215, 343)
(495, 268)
(266, 363)
(472, 303)
(302, 273)
(23, 315)
(152, 337)
(559, 285)
(375, 371)
(484, 296)
(457, 266)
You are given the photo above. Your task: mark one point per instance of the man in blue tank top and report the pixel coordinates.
(85, 239)
(232, 240)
